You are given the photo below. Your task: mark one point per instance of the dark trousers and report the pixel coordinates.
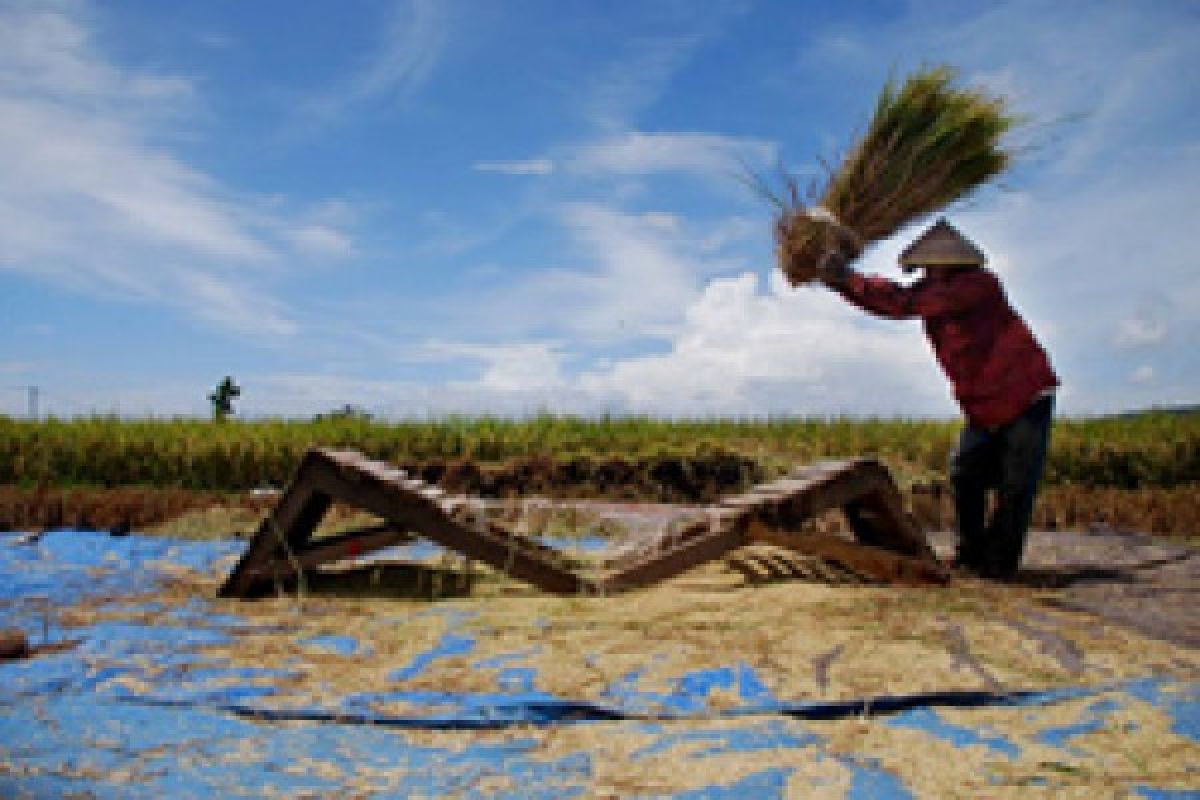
(1008, 460)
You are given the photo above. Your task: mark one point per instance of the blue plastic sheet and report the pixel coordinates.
(141, 710)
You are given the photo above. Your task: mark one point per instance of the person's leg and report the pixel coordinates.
(1023, 457)
(973, 469)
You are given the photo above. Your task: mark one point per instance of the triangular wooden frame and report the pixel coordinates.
(284, 546)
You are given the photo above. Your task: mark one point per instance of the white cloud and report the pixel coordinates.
(737, 350)
(93, 200)
(637, 280)
(99, 165)
(411, 44)
(1142, 375)
(637, 78)
(1140, 332)
(532, 166)
(638, 153)
(234, 306)
(46, 52)
(644, 65)
(741, 351)
(321, 240)
(508, 368)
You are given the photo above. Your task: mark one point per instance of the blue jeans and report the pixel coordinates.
(1009, 460)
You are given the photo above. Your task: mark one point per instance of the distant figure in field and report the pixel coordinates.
(1001, 376)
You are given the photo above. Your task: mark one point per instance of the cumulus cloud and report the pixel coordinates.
(738, 350)
(513, 367)
(744, 351)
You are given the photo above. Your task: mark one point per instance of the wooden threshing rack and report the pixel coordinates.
(889, 545)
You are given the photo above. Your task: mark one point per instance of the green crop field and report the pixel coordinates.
(1151, 450)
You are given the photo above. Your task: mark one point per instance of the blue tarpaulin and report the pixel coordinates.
(139, 706)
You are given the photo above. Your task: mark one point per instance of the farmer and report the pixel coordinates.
(1001, 376)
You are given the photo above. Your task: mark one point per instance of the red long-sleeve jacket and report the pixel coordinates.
(987, 351)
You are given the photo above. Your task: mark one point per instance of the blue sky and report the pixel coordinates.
(421, 207)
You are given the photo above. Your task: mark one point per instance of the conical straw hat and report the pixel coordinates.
(942, 245)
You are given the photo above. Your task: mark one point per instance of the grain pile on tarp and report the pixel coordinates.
(700, 689)
(929, 144)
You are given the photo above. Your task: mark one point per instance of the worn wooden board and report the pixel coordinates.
(862, 488)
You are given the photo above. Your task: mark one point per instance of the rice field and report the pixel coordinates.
(1151, 450)
(1095, 616)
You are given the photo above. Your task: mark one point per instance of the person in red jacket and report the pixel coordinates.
(1001, 377)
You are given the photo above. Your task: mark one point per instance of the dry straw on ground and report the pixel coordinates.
(929, 144)
(804, 640)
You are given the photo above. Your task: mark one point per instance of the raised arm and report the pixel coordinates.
(934, 296)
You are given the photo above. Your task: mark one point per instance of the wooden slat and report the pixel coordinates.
(696, 551)
(294, 518)
(872, 562)
(511, 554)
(863, 488)
(749, 570)
(335, 548)
(656, 545)
(392, 580)
(879, 518)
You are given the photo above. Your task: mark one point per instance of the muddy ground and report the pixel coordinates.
(1171, 511)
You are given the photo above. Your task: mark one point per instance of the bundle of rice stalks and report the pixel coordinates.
(930, 143)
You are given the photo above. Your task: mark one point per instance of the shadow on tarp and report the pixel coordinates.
(71, 719)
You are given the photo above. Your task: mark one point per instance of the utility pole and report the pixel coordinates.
(32, 393)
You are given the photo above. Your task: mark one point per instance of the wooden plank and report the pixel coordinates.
(293, 520)
(650, 547)
(872, 562)
(749, 570)
(777, 569)
(832, 490)
(788, 503)
(511, 554)
(408, 504)
(391, 579)
(862, 488)
(681, 558)
(350, 544)
(877, 517)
